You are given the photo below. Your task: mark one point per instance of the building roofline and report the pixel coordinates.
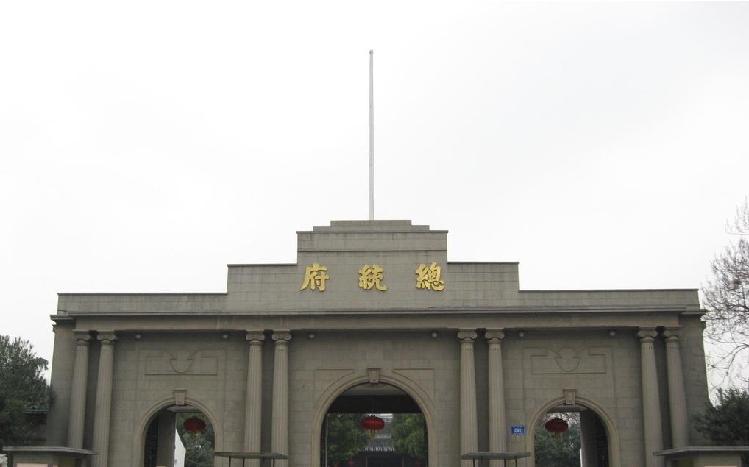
(604, 290)
(483, 262)
(343, 231)
(130, 294)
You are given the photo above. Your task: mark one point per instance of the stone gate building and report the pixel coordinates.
(371, 303)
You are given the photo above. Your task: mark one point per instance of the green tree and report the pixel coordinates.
(726, 423)
(22, 388)
(345, 438)
(409, 435)
(725, 297)
(558, 450)
(198, 446)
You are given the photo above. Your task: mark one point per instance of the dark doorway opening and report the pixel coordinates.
(374, 425)
(179, 436)
(571, 436)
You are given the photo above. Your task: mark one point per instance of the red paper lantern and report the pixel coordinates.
(556, 425)
(372, 424)
(194, 425)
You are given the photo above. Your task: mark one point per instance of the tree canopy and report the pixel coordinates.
(345, 438)
(725, 298)
(558, 450)
(22, 389)
(727, 422)
(410, 435)
(198, 446)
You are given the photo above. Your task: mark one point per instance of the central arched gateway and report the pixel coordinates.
(392, 392)
(595, 416)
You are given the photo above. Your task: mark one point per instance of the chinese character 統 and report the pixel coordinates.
(372, 277)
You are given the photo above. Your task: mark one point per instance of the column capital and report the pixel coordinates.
(467, 335)
(672, 334)
(494, 336)
(106, 337)
(255, 337)
(647, 335)
(281, 336)
(82, 337)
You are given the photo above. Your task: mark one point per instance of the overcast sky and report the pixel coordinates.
(144, 145)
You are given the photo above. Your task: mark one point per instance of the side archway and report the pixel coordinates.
(339, 387)
(611, 431)
(141, 426)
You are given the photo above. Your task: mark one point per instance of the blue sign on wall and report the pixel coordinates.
(517, 430)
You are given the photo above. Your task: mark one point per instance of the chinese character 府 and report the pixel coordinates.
(315, 277)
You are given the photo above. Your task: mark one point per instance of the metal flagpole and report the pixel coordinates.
(371, 135)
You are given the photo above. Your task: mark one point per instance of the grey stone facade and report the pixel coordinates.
(479, 356)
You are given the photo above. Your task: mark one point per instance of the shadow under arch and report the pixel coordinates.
(341, 386)
(611, 432)
(142, 424)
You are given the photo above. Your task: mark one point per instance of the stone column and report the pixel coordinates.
(677, 399)
(77, 414)
(103, 411)
(165, 438)
(588, 442)
(651, 407)
(253, 403)
(280, 420)
(468, 423)
(497, 413)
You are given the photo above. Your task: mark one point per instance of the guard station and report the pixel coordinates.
(374, 310)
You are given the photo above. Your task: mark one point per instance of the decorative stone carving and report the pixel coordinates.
(82, 337)
(467, 335)
(281, 336)
(570, 396)
(255, 337)
(180, 396)
(182, 362)
(494, 336)
(569, 360)
(373, 374)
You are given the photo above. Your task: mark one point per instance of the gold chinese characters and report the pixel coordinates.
(372, 277)
(429, 277)
(315, 277)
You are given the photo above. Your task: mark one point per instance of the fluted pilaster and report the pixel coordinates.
(280, 420)
(103, 413)
(651, 406)
(468, 423)
(254, 396)
(77, 414)
(497, 412)
(677, 399)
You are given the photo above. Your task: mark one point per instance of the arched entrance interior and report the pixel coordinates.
(179, 436)
(571, 436)
(374, 425)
